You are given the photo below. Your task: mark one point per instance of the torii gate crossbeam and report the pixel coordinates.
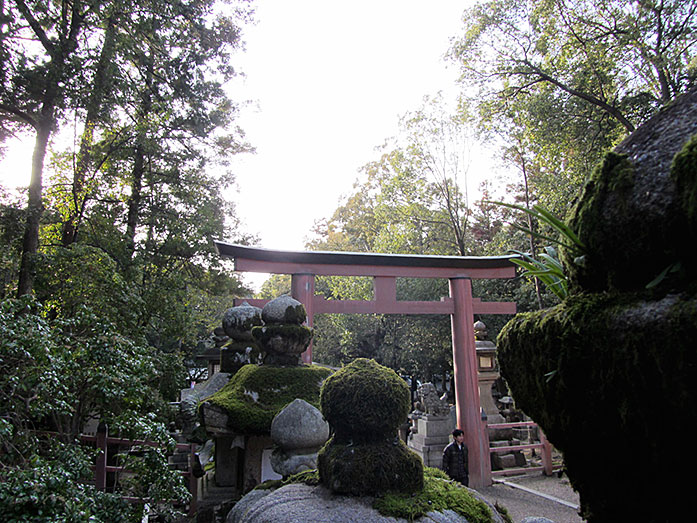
(385, 269)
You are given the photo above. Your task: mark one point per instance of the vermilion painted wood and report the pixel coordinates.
(546, 454)
(467, 405)
(246, 265)
(321, 305)
(303, 289)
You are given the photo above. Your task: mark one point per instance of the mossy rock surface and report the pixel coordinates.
(634, 212)
(618, 399)
(684, 174)
(256, 393)
(438, 495)
(370, 468)
(365, 401)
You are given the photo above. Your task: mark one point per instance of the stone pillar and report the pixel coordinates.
(430, 438)
(226, 461)
(255, 447)
(303, 289)
(488, 373)
(466, 383)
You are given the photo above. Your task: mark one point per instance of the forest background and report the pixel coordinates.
(109, 280)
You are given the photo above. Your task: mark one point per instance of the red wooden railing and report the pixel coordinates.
(102, 440)
(544, 446)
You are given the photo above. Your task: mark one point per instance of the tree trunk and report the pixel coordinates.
(134, 201)
(30, 243)
(59, 49)
(102, 79)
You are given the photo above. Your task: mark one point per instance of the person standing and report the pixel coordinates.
(455, 458)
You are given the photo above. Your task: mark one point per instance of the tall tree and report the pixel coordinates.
(573, 77)
(40, 54)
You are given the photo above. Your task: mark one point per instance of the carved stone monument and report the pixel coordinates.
(432, 425)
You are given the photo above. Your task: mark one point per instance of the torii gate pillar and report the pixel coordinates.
(466, 386)
(302, 288)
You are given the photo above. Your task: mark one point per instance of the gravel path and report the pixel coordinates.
(536, 495)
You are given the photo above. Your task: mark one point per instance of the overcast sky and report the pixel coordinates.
(331, 80)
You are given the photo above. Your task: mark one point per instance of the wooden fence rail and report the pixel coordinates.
(102, 441)
(544, 446)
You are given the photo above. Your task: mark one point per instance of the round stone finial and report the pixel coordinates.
(299, 426)
(238, 321)
(284, 309)
(480, 331)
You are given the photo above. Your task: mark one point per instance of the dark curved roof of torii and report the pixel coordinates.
(360, 258)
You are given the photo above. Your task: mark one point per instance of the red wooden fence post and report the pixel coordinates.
(546, 453)
(100, 465)
(486, 451)
(193, 482)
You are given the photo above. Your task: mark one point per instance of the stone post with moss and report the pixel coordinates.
(609, 374)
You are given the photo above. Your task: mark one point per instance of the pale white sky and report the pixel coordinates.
(329, 81)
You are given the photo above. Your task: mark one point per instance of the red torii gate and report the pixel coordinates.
(385, 269)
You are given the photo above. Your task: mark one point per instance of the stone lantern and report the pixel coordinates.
(488, 372)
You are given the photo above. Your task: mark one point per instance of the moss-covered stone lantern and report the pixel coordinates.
(364, 404)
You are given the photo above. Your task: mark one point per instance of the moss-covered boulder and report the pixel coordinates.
(636, 214)
(256, 393)
(370, 467)
(610, 373)
(610, 378)
(364, 403)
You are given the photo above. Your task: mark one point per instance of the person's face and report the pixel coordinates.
(460, 439)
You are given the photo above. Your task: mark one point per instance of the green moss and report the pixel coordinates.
(609, 186)
(370, 467)
(309, 477)
(255, 394)
(684, 172)
(364, 401)
(296, 315)
(438, 494)
(624, 369)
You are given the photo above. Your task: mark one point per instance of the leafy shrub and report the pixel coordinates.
(56, 373)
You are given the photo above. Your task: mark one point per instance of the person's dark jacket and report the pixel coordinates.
(455, 462)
